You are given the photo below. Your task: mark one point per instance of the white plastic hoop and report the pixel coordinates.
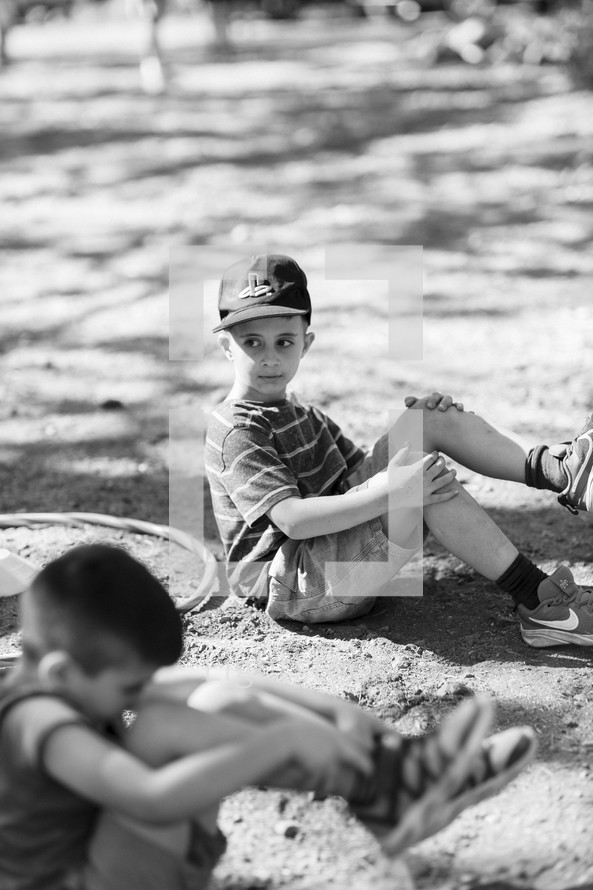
(199, 597)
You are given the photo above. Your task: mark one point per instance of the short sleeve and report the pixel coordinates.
(32, 721)
(252, 473)
(352, 454)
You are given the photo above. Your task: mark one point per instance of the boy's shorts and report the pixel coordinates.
(338, 576)
(122, 859)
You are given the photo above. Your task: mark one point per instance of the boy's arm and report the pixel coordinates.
(301, 518)
(408, 481)
(102, 771)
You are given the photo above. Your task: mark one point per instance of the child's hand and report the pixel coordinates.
(435, 400)
(323, 751)
(408, 476)
(358, 724)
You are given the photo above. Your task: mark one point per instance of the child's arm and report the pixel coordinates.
(401, 485)
(94, 767)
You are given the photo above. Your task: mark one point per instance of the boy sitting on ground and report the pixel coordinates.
(87, 803)
(301, 509)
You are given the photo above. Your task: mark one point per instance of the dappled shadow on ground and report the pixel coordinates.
(33, 484)
(373, 144)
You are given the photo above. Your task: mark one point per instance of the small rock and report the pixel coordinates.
(286, 829)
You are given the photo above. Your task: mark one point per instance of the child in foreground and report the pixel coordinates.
(314, 527)
(87, 803)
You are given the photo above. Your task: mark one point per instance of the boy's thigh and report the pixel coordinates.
(334, 577)
(178, 857)
(374, 463)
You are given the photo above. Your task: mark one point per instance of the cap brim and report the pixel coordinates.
(254, 312)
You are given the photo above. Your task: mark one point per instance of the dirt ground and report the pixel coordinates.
(323, 131)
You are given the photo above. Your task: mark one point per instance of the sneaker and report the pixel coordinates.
(500, 760)
(420, 785)
(564, 615)
(578, 465)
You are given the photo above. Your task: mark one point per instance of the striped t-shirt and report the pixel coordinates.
(257, 455)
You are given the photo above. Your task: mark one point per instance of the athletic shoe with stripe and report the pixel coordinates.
(564, 615)
(578, 465)
(420, 785)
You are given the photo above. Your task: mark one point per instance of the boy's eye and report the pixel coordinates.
(285, 343)
(251, 344)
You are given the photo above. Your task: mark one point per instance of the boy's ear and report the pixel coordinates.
(224, 341)
(309, 337)
(54, 668)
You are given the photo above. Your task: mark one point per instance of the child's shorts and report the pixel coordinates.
(338, 576)
(121, 859)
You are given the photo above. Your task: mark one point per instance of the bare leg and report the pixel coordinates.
(152, 71)
(220, 10)
(460, 525)
(465, 437)
(468, 532)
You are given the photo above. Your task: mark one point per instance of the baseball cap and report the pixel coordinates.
(262, 286)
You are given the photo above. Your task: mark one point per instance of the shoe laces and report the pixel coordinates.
(571, 592)
(587, 428)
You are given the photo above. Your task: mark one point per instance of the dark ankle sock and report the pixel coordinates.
(521, 580)
(544, 469)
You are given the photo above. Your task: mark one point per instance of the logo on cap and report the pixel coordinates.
(254, 288)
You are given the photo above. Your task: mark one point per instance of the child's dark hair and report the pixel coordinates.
(96, 594)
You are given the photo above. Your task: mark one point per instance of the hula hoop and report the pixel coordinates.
(198, 598)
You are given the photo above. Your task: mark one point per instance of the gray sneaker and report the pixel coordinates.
(578, 465)
(564, 615)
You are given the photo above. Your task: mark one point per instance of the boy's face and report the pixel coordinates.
(105, 695)
(111, 691)
(266, 354)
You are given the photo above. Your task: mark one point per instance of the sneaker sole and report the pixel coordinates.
(541, 638)
(418, 822)
(443, 813)
(579, 494)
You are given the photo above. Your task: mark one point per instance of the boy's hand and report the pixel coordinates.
(435, 400)
(322, 750)
(405, 479)
(358, 724)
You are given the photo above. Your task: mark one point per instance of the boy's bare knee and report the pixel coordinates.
(150, 735)
(438, 426)
(219, 696)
